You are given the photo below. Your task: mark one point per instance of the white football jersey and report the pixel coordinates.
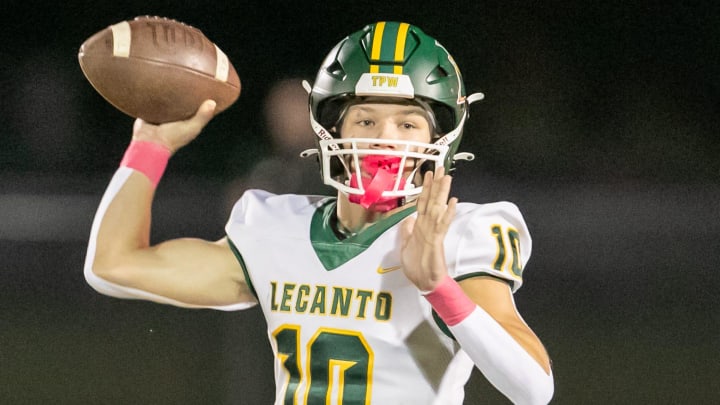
(345, 324)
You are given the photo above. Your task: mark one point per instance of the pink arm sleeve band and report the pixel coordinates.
(148, 158)
(450, 302)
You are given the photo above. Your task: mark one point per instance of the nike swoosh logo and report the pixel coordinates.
(383, 270)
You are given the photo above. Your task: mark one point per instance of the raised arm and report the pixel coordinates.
(120, 260)
(480, 312)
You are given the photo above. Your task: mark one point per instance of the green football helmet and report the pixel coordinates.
(388, 59)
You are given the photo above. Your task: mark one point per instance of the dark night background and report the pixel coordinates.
(601, 122)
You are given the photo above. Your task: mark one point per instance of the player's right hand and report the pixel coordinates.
(175, 135)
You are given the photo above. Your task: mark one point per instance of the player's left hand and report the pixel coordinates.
(422, 251)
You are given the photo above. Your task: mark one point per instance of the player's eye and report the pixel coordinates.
(365, 122)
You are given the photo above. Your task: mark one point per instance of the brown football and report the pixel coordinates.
(158, 69)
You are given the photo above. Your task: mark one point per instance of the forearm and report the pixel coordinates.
(496, 353)
(122, 222)
(502, 360)
(121, 227)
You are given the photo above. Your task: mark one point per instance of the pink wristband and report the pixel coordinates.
(148, 158)
(450, 302)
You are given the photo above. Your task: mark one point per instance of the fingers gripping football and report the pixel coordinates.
(423, 253)
(175, 135)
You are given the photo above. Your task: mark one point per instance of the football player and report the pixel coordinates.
(390, 292)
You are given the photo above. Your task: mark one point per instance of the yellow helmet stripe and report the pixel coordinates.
(376, 45)
(400, 46)
(389, 35)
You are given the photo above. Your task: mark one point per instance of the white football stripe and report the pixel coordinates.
(121, 39)
(222, 66)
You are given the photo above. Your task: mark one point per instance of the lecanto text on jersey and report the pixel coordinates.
(330, 301)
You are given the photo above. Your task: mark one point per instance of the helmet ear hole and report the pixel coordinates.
(444, 117)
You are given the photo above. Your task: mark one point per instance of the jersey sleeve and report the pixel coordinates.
(240, 219)
(259, 213)
(489, 239)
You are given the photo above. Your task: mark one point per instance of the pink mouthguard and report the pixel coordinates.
(384, 171)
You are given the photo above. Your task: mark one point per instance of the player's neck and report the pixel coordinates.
(353, 218)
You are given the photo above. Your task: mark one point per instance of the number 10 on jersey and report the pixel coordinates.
(507, 239)
(335, 366)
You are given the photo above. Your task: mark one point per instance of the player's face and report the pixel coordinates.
(382, 147)
(387, 123)
(392, 122)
